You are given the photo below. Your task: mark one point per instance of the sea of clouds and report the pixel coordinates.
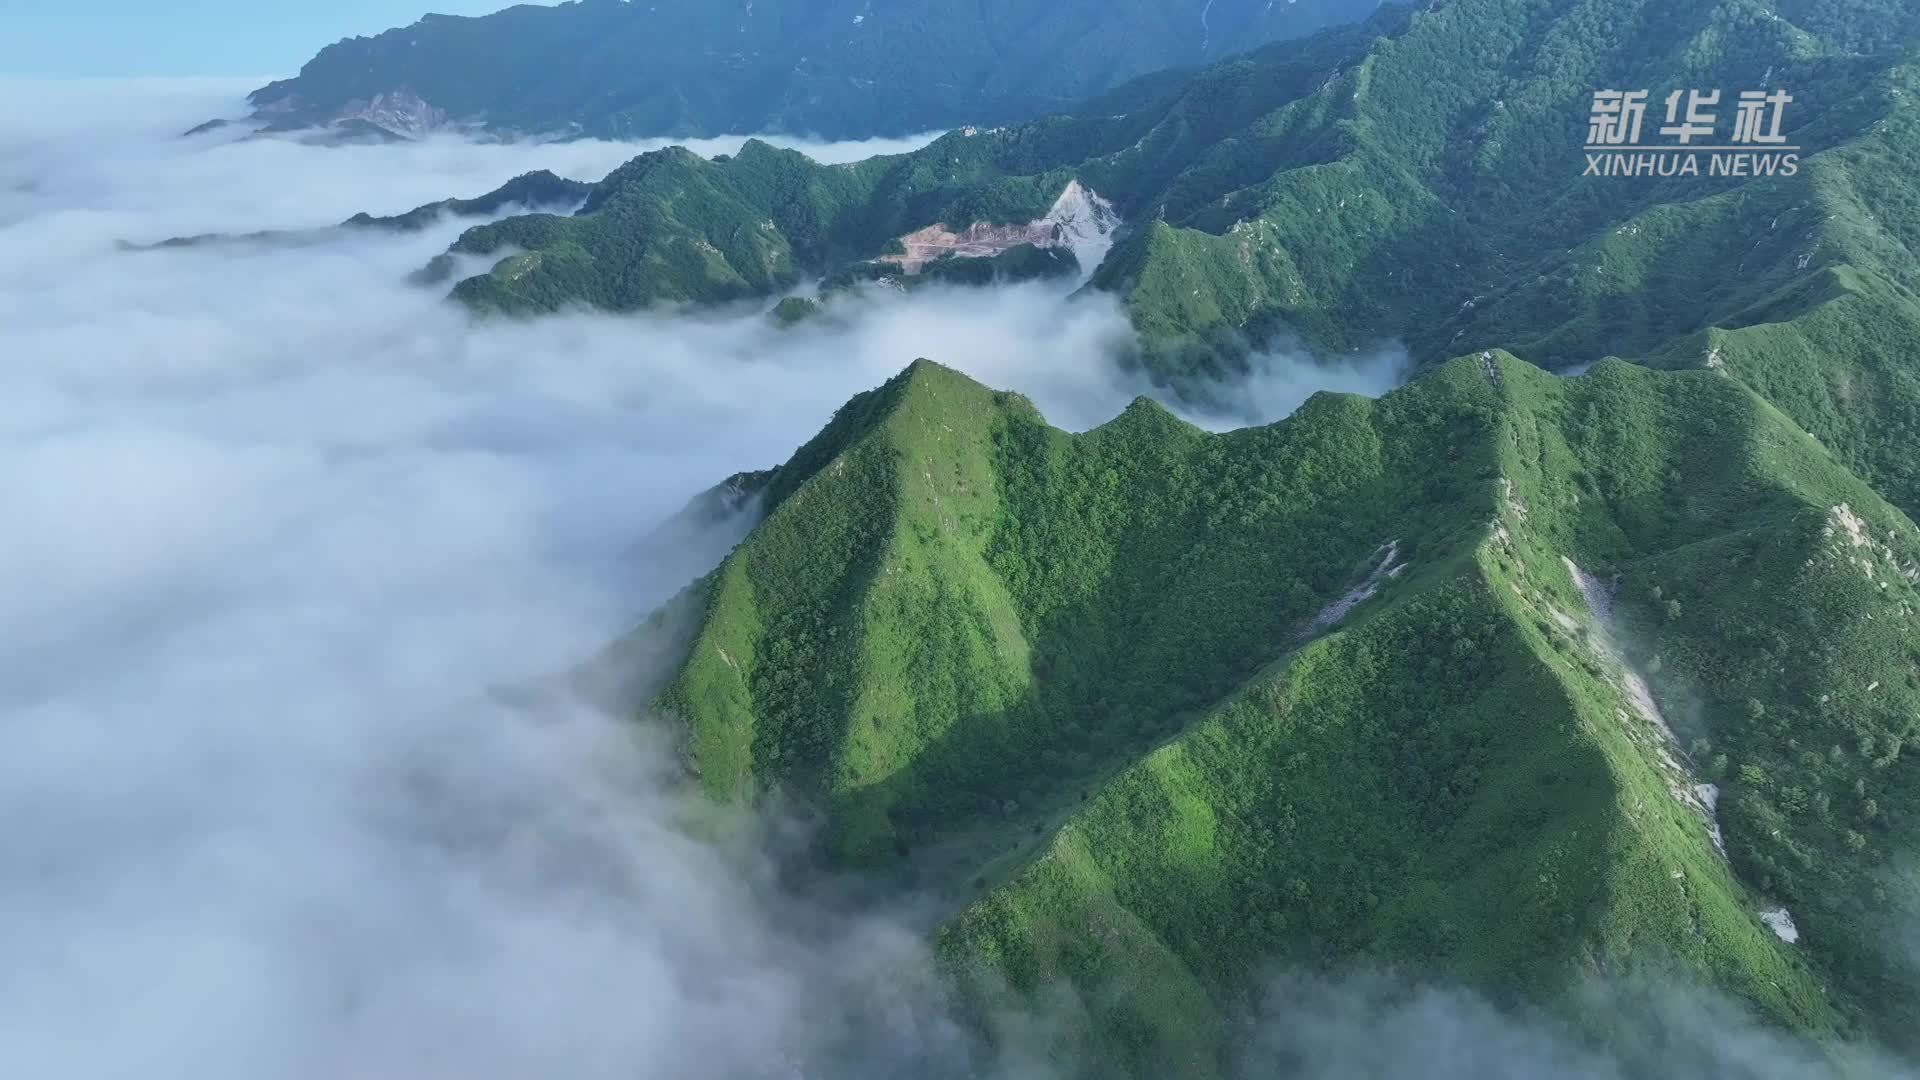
(277, 522)
(276, 527)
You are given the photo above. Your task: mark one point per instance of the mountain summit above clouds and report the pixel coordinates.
(1545, 678)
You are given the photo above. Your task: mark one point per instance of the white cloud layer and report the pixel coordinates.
(104, 158)
(276, 523)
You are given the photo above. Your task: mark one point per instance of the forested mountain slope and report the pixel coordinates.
(1418, 177)
(1506, 678)
(829, 68)
(670, 226)
(1441, 679)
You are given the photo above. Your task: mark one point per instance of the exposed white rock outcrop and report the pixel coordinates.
(1513, 504)
(1080, 221)
(1853, 541)
(1844, 517)
(402, 112)
(1702, 799)
(1385, 569)
(1781, 923)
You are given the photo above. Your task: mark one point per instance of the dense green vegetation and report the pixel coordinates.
(1417, 177)
(1504, 678)
(833, 68)
(672, 226)
(1090, 688)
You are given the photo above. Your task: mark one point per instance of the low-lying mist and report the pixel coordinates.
(278, 524)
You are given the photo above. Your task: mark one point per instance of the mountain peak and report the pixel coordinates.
(1148, 415)
(930, 375)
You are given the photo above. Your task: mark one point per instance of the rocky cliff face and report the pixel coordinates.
(402, 112)
(399, 112)
(1080, 221)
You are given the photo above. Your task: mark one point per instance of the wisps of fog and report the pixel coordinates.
(277, 524)
(1371, 1025)
(1280, 379)
(105, 153)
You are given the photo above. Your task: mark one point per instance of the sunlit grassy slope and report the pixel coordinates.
(1089, 688)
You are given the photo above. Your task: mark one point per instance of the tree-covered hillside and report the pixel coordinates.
(1437, 680)
(1506, 678)
(830, 68)
(671, 226)
(1418, 177)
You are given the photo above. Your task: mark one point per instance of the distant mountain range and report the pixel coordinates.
(826, 68)
(1417, 177)
(531, 192)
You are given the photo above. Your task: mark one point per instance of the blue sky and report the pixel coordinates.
(96, 38)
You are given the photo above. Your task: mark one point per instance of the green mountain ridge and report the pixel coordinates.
(529, 191)
(1415, 178)
(672, 227)
(826, 68)
(1155, 708)
(1505, 679)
